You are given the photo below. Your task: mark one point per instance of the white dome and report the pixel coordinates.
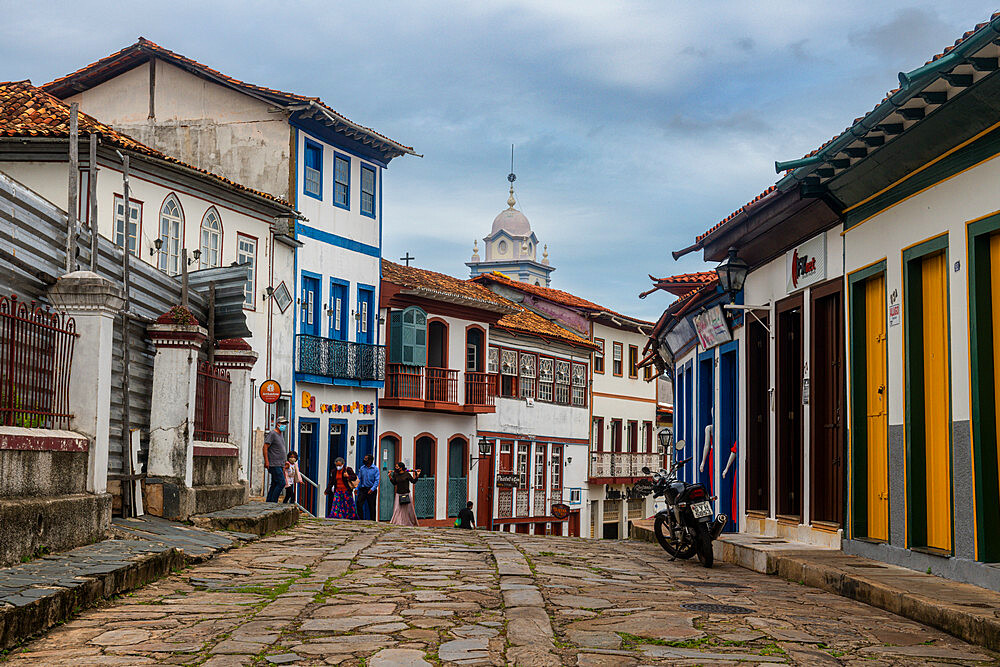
(513, 222)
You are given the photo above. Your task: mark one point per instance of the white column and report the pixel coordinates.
(238, 358)
(93, 302)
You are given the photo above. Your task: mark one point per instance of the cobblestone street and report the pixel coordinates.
(365, 594)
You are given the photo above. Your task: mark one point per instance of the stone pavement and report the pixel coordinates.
(358, 593)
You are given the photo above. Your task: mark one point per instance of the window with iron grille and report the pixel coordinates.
(580, 385)
(546, 374)
(562, 382)
(599, 356)
(494, 360)
(539, 465)
(508, 373)
(522, 465)
(616, 359)
(527, 362)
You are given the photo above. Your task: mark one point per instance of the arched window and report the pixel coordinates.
(474, 345)
(408, 337)
(211, 239)
(171, 230)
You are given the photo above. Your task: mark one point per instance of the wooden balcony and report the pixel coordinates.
(419, 388)
(621, 467)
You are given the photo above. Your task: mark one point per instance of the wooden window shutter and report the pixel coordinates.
(395, 336)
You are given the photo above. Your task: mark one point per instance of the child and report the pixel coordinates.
(292, 476)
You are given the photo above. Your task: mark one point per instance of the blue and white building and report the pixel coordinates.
(318, 329)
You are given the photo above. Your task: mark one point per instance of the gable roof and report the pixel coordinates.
(556, 296)
(439, 286)
(143, 50)
(28, 111)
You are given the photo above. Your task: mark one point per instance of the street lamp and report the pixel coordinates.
(666, 437)
(485, 448)
(732, 273)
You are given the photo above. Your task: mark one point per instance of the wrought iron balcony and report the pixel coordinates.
(622, 465)
(339, 359)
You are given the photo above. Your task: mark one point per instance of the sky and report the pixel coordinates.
(637, 125)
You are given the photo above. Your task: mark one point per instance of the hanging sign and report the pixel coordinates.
(309, 403)
(270, 391)
(507, 480)
(806, 264)
(560, 511)
(712, 327)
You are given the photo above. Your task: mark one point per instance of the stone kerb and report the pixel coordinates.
(170, 470)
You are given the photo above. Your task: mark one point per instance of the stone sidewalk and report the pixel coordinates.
(358, 593)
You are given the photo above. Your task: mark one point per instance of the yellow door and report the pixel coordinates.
(937, 419)
(876, 410)
(995, 297)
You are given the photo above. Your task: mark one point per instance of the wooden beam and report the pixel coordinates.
(911, 113)
(825, 172)
(984, 64)
(891, 129)
(934, 97)
(873, 140)
(840, 163)
(958, 80)
(856, 151)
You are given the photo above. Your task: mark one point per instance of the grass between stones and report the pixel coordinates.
(631, 642)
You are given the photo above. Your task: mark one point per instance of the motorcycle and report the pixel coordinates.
(686, 526)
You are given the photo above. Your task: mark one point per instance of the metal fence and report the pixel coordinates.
(622, 464)
(211, 403)
(339, 359)
(36, 354)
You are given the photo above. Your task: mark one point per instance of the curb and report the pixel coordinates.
(955, 610)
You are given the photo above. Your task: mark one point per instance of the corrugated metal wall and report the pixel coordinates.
(32, 257)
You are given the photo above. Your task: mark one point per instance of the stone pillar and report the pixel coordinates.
(238, 358)
(93, 302)
(170, 470)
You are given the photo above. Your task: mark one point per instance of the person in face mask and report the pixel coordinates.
(275, 453)
(340, 491)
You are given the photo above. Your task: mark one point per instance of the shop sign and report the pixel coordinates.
(806, 264)
(270, 391)
(712, 327)
(560, 511)
(507, 480)
(309, 403)
(895, 315)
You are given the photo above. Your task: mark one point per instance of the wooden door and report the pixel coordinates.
(484, 495)
(758, 477)
(826, 416)
(389, 451)
(876, 409)
(789, 411)
(995, 298)
(936, 408)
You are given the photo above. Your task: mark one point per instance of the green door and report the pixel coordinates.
(389, 454)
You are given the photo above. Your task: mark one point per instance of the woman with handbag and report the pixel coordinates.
(341, 487)
(402, 511)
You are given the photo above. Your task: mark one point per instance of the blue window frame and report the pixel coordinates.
(367, 191)
(312, 179)
(339, 307)
(342, 181)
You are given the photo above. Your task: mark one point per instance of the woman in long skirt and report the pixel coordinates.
(341, 489)
(402, 509)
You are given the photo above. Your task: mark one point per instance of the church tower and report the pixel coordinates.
(512, 248)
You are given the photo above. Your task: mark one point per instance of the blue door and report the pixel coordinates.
(309, 307)
(336, 446)
(339, 306)
(308, 461)
(364, 314)
(706, 417)
(364, 443)
(726, 442)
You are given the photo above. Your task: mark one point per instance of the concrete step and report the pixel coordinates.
(255, 518)
(963, 610)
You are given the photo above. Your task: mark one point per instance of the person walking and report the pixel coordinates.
(402, 510)
(341, 487)
(368, 477)
(292, 476)
(275, 453)
(466, 519)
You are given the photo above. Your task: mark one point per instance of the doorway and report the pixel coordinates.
(826, 421)
(789, 409)
(336, 447)
(729, 408)
(458, 481)
(484, 491)
(308, 462)
(928, 396)
(310, 306)
(364, 443)
(423, 490)
(389, 453)
(704, 453)
(758, 456)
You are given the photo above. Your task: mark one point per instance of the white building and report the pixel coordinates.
(329, 167)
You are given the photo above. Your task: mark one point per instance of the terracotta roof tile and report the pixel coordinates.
(680, 284)
(27, 111)
(526, 321)
(735, 213)
(140, 52)
(554, 295)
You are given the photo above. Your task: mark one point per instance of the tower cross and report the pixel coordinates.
(407, 259)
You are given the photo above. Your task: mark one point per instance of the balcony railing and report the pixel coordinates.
(36, 352)
(439, 385)
(339, 359)
(622, 464)
(211, 403)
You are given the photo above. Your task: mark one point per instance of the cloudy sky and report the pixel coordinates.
(637, 124)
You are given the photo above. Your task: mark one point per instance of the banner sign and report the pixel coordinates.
(560, 511)
(712, 327)
(270, 391)
(309, 403)
(806, 264)
(507, 480)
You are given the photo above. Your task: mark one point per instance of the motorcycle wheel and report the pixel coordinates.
(670, 544)
(703, 542)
